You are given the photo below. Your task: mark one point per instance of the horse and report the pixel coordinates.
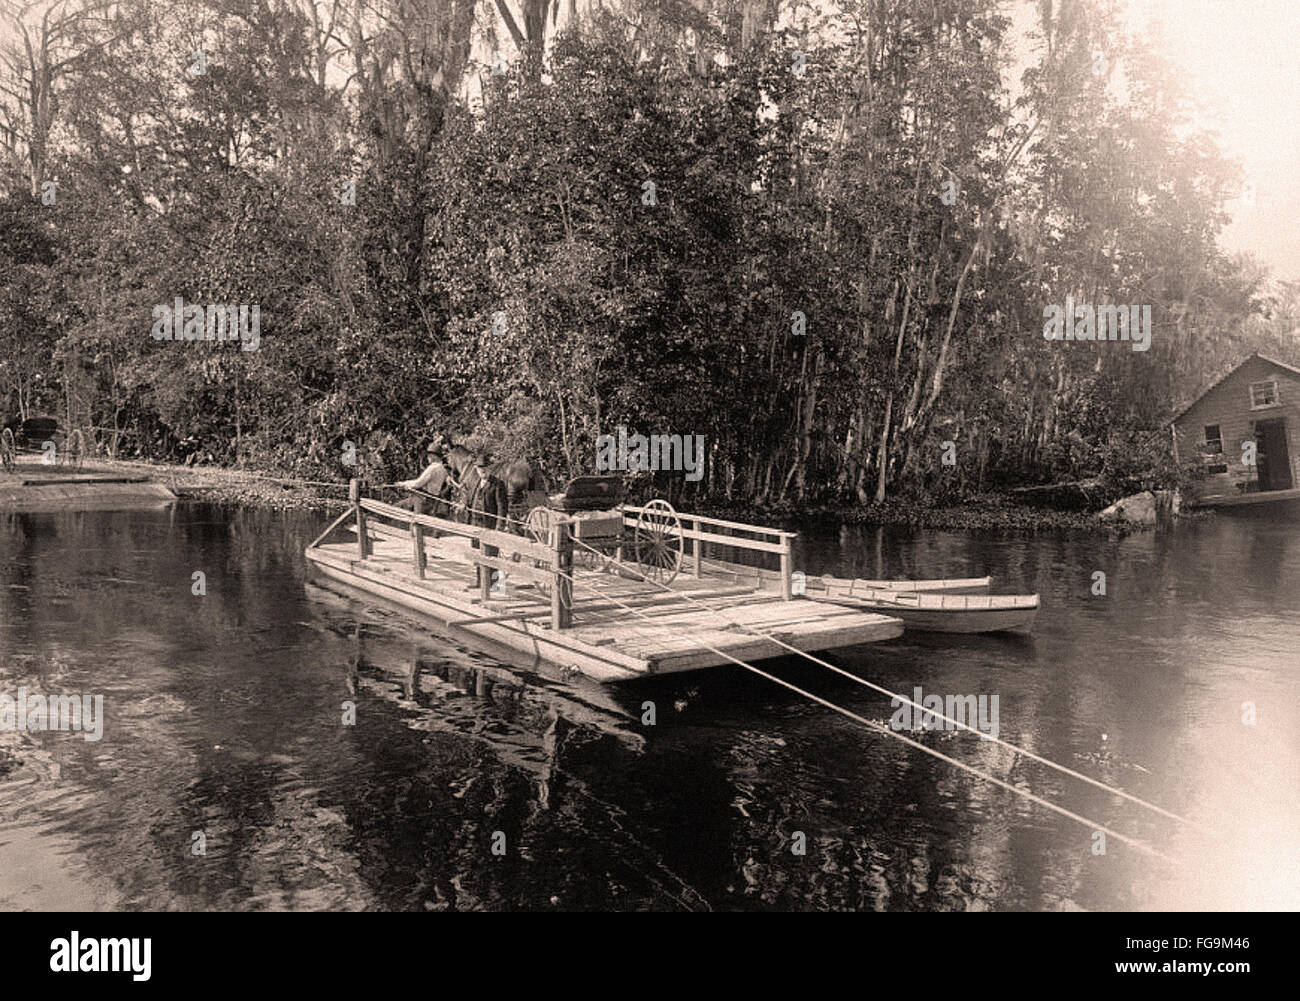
(521, 480)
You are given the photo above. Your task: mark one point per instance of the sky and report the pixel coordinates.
(1241, 61)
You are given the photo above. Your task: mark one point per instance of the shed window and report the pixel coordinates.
(1263, 394)
(1213, 440)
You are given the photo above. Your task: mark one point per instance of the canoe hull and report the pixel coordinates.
(993, 621)
(837, 586)
(832, 588)
(947, 613)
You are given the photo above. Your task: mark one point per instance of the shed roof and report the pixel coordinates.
(1279, 364)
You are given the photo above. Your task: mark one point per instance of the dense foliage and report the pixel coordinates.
(825, 248)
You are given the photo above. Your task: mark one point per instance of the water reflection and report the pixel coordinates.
(225, 715)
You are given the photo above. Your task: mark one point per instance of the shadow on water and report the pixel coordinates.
(225, 715)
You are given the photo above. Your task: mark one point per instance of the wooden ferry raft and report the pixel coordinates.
(583, 623)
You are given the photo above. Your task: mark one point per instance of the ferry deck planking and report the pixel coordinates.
(428, 565)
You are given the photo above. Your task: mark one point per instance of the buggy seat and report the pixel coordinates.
(589, 493)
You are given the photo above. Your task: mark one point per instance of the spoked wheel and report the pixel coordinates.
(8, 451)
(537, 527)
(73, 453)
(657, 542)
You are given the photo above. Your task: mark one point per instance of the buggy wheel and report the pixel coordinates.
(657, 542)
(537, 528)
(8, 451)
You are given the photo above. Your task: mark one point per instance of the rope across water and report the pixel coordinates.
(871, 724)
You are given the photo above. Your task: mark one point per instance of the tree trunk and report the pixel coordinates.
(883, 456)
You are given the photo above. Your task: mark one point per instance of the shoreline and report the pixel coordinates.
(222, 485)
(992, 512)
(980, 515)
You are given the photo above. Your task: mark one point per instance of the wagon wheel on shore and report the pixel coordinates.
(8, 451)
(657, 542)
(537, 527)
(74, 448)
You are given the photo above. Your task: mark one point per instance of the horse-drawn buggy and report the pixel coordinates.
(41, 436)
(605, 536)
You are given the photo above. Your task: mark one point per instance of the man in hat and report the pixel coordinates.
(486, 502)
(432, 483)
(486, 496)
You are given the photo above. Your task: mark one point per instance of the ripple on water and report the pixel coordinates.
(223, 716)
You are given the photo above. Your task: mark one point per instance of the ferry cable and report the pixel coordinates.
(879, 727)
(929, 712)
(885, 691)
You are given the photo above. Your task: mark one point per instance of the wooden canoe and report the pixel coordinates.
(827, 587)
(952, 613)
(837, 587)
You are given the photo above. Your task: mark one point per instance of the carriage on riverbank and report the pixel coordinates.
(42, 436)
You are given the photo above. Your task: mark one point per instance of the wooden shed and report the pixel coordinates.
(1256, 404)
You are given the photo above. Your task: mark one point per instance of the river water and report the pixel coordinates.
(226, 779)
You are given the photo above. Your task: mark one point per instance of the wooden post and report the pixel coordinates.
(484, 582)
(699, 547)
(417, 540)
(562, 581)
(787, 542)
(363, 540)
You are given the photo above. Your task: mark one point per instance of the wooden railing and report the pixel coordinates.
(549, 564)
(756, 537)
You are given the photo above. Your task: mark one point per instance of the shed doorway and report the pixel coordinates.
(1273, 461)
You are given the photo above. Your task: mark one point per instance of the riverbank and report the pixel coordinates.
(220, 485)
(987, 512)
